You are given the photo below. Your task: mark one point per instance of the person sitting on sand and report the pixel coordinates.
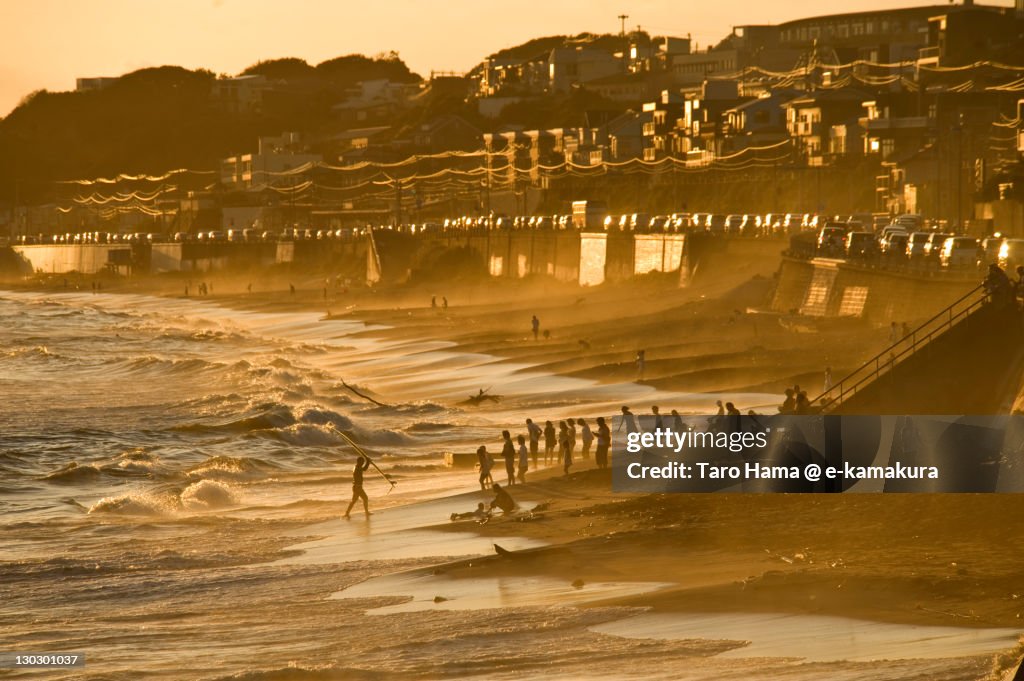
(479, 514)
(362, 463)
(524, 458)
(486, 462)
(508, 452)
(549, 441)
(502, 500)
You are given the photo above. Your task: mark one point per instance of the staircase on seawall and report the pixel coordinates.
(967, 359)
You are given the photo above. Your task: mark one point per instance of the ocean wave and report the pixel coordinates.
(323, 417)
(266, 417)
(298, 673)
(136, 504)
(73, 473)
(206, 495)
(427, 427)
(234, 468)
(303, 435)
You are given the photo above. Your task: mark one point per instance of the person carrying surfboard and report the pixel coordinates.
(362, 464)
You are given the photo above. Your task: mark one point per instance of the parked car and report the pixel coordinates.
(860, 244)
(933, 246)
(832, 240)
(895, 244)
(1011, 254)
(990, 247)
(915, 245)
(960, 251)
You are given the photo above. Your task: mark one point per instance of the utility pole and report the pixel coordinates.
(622, 20)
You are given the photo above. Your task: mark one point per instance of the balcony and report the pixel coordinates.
(929, 55)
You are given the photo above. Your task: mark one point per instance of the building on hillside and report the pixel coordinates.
(276, 156)
(811, 117)
(446, 133)
(757, 122)
(91, 84)
(570, 66)
(241, 94)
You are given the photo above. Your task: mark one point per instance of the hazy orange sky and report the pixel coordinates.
(48, 43)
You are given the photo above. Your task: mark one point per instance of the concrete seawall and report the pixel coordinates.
(824, 287)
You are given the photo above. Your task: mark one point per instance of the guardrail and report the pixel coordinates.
(887, 359)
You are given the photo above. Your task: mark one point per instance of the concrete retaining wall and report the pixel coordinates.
(823, 287)
(84, 258)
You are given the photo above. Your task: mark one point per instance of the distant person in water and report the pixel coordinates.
(433, 302)
(444, 302)
(641, 365)
(535, 432)
(587, 435)
(524, 458)
(485, 463)
(535, 323)
(502, 499)
(508, 453)
(564, 446)
(604, 441)
(291, 289)
(362, 463)
(549, 441)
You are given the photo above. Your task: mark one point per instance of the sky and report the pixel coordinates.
(46, 44)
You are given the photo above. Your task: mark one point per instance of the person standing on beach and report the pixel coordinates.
(535, 432)
(549, 441)
(572, 437)
(486, 463)
(508, 453)
(587, 435)
(444, 302)
(641, 365)
(563, 441)
(535, 323)
(524, 459)
(604, 441)
(433, 302)
(828, 379)
(658, 423)
(677, 422)
(362, 463)
(629, 421)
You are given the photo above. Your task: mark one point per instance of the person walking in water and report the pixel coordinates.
(604, 441)
(549, 441)
(362, 463)
(629, 421)
(524, 458)
(508, 453)
(564, 447)
(641, 365)
(535, 433)
(587, 436)
(486, 463)
(535, 323)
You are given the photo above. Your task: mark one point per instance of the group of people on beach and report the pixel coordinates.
(559, 445)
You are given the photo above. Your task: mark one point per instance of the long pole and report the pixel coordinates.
(362, 453)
